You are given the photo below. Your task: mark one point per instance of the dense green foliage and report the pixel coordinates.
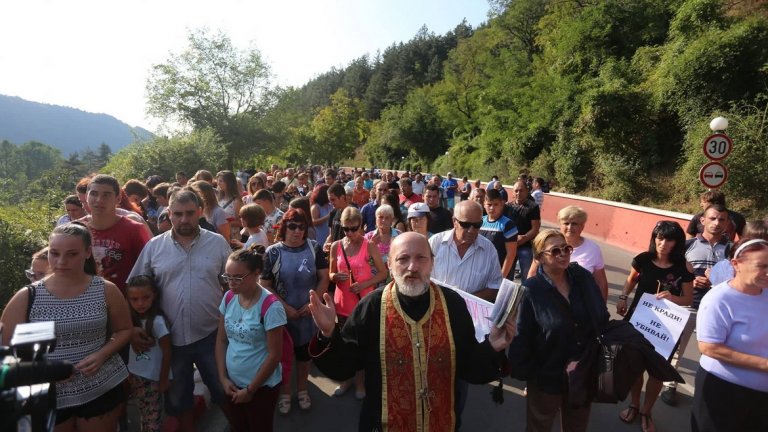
(605, 97)
(34, 179)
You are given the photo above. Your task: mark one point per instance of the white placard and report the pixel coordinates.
(661, 322)
(480, 310)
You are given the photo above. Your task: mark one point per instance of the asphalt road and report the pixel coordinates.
(481, 414)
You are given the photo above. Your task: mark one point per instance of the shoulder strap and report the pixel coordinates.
(271, 298)
(349, 267)
(228, 297)
(312, 245)
(31, 292)
(228, 203)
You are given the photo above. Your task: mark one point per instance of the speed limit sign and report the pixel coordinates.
(718, 146)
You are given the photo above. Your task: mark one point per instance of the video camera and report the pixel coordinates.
(27, 390)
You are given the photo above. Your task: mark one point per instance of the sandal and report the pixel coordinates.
(646, 423)
(629, 414)
(284, 404)
(305, 403)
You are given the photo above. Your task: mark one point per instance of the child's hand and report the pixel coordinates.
(241, 396)
(229, 387)
(140, 341)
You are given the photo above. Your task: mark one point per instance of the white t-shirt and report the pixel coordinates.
(147, 364)
(588, 255)
(257, 238)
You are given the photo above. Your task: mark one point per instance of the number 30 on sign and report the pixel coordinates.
(718, 146)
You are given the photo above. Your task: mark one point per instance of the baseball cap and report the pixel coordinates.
(418, 209)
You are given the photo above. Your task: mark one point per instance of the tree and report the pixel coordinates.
(211, 85)
(337, 129)
(38, 157)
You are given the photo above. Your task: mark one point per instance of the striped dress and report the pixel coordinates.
(81, 330)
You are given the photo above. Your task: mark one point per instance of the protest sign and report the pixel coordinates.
(661, 322)
(480, 310)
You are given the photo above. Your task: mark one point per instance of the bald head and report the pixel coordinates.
(410, 261)
(469, 211)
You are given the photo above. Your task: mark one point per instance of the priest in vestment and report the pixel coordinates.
(414, 339)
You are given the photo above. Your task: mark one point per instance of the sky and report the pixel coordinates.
(96, 55)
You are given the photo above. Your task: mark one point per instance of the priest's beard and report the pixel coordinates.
(411, 284)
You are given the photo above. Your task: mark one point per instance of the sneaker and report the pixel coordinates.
(669, 396)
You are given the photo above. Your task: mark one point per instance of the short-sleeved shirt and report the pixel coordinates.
(478, 269)
(523, 215)
(369, 215)
(247, 335)
(702, 256)
(440, 219)
(737, 320)
(499, 232)
(147, 364)
(448, 184)
(588, 255)
(655, 279)
(116, 249)
(188, 280)
(218, 217)
(538, 197)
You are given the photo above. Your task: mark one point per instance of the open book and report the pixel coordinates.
(507, 302)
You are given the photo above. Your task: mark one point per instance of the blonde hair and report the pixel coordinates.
(572, 213)
(351, 214)
(542, 237)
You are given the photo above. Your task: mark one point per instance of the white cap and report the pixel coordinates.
(418, 209)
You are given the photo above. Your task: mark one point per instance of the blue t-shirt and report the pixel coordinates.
(446, 184)
(499, 232)
(247, 337)
(147, 364)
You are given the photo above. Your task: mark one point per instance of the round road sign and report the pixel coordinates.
(718, 146)
(713, 175)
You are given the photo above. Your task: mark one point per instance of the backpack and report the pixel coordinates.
(286, 359)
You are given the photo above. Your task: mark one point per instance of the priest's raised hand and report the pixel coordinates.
(323, 312)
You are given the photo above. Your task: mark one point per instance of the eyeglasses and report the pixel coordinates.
(294, 226)
(229, 278)
(351, 229)
(559, 250)
(32, 276)
(468, 225)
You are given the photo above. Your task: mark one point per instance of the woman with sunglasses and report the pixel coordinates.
(39, 267)
(558, 316)
(353, 260)
(293, 267)
(249, 344)
(732, 380)
(663, 272)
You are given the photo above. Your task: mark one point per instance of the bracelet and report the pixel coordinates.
(623, 297)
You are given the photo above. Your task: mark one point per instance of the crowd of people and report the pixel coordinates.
(231, 274)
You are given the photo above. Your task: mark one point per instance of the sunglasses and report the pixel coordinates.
(294, 226)
(468, 225)
(229, 278)
(351, 229)
(559, 250)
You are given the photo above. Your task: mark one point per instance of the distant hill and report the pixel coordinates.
(67, 129)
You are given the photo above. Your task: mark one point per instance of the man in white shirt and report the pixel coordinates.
(185, 263)
(464, 259)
